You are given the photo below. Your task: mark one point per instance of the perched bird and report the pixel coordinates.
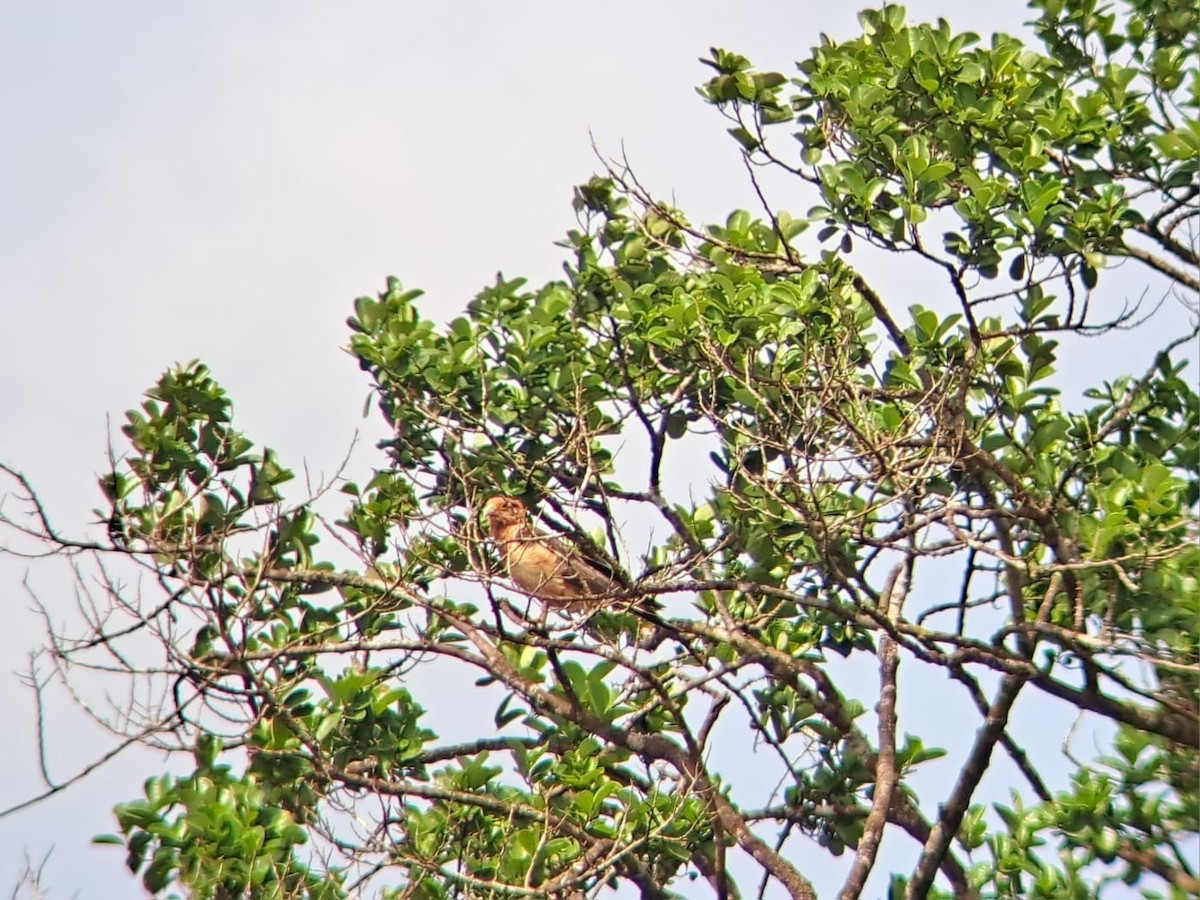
(547, 567)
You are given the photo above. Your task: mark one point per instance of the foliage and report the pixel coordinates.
(215, 835)
(801, 465)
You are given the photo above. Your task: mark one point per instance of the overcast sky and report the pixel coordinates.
(219, 180)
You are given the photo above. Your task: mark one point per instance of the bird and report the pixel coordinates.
(547, 567)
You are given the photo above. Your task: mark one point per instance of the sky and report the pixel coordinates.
(219, 180)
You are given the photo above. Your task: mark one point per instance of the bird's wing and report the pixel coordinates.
(581, 572)
(592, 578)
(585, 576)
(553, 567)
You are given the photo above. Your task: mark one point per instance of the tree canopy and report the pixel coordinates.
(853, 495)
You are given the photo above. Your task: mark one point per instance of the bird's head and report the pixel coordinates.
(502, 512)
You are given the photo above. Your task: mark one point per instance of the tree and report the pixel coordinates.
(836, 500)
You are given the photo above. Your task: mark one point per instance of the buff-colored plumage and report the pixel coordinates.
(547, 567)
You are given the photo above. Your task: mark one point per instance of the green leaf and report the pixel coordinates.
(748, 141)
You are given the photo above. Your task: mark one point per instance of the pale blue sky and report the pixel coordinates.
(220, 180)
